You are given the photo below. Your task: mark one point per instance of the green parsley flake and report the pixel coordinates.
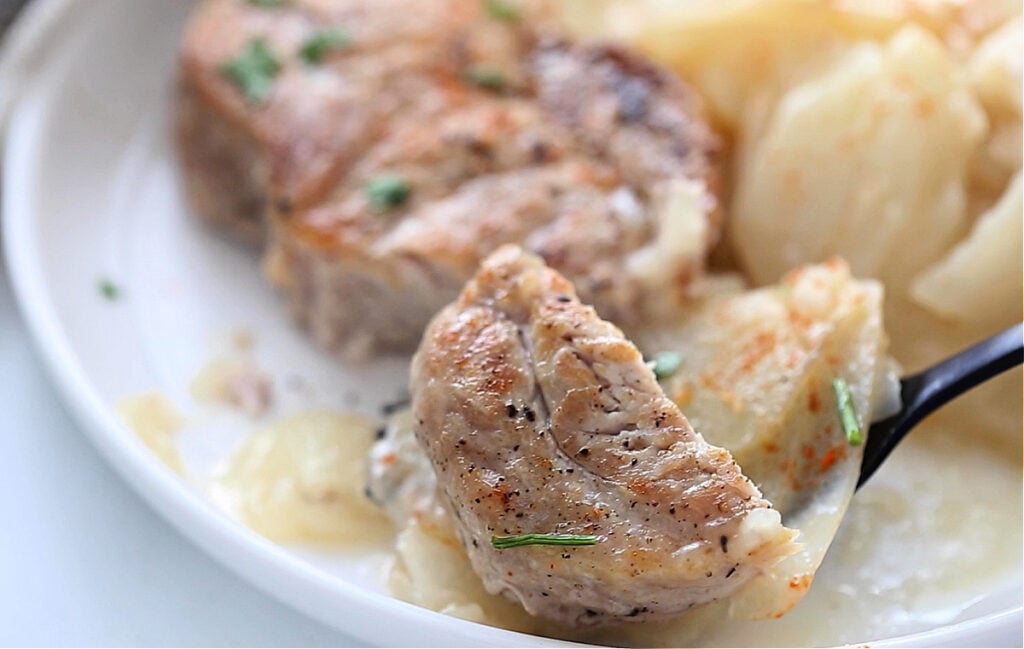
(253, 70)
(505, 542)
(387, 192)
(487, 76)
(847, 415)
(316, 48)
(501, 9)
(108, 289)
(665, 364)
(268, 3)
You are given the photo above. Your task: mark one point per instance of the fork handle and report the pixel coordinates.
(927, 391)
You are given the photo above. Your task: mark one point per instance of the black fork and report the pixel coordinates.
(926, 391)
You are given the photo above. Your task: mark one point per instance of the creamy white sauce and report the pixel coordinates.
(156, 421)
(936, 530)
(301, 480)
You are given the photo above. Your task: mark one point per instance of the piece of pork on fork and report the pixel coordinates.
(540, 418)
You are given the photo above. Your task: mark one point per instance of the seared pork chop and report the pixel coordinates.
(425, 135)
(540, 418)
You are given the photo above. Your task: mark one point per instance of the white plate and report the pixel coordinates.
(90, 191)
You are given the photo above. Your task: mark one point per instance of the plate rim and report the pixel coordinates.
(230, 543)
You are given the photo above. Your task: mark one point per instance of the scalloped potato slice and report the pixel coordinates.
(994, 71)
(867, 161)
(979, 282)
(756, 378)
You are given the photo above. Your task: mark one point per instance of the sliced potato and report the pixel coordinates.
(994, 70)
(979, 282)
(868, 162)
(756, 378)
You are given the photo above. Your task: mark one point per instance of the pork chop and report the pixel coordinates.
(541, 418)
(418, 141)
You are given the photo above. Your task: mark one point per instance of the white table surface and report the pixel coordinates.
(85, 562)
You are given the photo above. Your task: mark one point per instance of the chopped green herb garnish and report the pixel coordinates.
(501, 9)
(505, 542)
(316, 48)
(253, 70)
(108, 289)
(487, 76)
(847, 415)
(268, 3)
(387, 192)
(665, 364)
